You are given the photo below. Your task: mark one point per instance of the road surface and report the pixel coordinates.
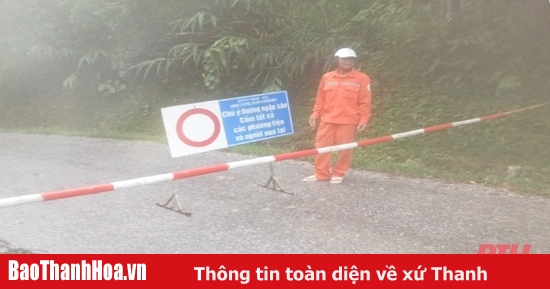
(368, 213)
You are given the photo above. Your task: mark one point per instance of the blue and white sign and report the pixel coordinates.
(211, 125)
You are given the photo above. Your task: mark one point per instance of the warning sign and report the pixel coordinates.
(211, 125)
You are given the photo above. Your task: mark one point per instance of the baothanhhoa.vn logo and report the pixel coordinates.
(96, 270)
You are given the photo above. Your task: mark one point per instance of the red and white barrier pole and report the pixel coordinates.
(54, 195)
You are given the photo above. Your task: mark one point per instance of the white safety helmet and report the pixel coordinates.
(345, 53)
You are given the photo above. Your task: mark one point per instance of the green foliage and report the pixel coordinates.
(221, 56)
(271, 45)
(71, 81)
(111, 87)
(291, 42)
(260, 45)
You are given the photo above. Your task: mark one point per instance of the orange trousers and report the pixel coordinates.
(329, 134)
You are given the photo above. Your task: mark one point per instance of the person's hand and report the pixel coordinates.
(312, 121)
(361, 126)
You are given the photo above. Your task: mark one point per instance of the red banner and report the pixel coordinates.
(273, 271)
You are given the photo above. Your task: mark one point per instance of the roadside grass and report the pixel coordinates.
(512, 152)
(86, 133)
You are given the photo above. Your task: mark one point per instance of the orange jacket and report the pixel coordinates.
(343, 99)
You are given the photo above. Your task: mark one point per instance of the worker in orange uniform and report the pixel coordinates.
(343, 106)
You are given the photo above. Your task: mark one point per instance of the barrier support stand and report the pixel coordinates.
(173, 203)
(272, 182)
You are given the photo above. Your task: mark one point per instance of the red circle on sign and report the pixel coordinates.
(187, 114)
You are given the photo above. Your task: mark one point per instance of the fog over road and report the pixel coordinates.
(368, 213)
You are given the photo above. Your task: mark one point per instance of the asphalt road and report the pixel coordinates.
(368, 213)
